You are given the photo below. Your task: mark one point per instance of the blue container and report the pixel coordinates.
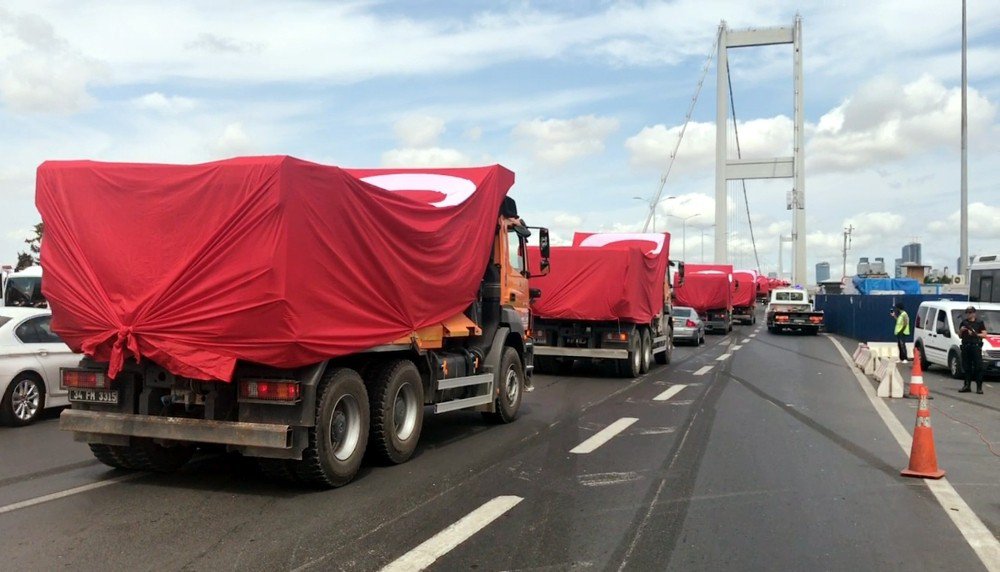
(866, 318)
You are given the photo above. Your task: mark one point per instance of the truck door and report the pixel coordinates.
(515, 275)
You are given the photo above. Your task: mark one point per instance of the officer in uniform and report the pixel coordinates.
(972, 331)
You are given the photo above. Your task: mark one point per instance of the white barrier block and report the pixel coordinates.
(890, 381)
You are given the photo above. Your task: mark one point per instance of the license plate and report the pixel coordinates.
(93, 396)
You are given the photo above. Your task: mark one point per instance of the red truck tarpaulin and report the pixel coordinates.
(271, 260)
(610, 279)
(745, 293)
(704, 290)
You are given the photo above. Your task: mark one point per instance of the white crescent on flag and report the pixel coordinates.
(454, 189)
(604, 239)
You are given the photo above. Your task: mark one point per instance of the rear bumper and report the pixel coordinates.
(600, 353)
(686, 333)
(95, 425)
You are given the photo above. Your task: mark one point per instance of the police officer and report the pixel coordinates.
(902, 330)
(972, 331)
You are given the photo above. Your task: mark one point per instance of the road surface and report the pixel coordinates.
(753, 452)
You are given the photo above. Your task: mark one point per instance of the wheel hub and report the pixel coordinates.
(25, 400)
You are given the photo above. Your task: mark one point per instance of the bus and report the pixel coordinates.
(984, 278)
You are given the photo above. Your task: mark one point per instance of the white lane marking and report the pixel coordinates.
(736, 347)
(443, 542)
(670, 392)
(982, 541)
(753, 335)
(67, 493)
(704, 370)
(603, 436)
(723, 357)
(747, 340)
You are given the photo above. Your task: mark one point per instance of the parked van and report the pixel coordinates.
(935, 334)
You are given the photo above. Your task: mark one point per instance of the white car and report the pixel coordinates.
(935, 334)
(31, 357)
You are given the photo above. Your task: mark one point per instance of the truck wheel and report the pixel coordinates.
(337, 441)
(664, 357)
(145, 455)
(632, 365)
(23, 401)
(511, 383)
(955, 365)
(397, 412)
(647, 351)
(110, 455)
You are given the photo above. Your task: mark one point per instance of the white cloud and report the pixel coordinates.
(885, 121)
(425, 157)
(759, 138)
(233, 141)
(41, 72)
(558, 141)
(419, 130)
(984, 222)
(168, 105)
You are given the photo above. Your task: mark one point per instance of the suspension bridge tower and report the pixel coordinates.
(768, 168)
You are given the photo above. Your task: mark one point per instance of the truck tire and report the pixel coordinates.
(664, 357)
(632, 365)
(396, 393)
(647, 351)
(511, 387)
(145, 455)
(337, 441)
(110, 455)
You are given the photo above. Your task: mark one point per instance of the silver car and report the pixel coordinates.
(688, 327)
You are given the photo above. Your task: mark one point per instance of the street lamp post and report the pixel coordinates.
(684, 232)
(654, 206)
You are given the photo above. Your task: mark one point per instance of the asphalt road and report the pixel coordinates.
(770, 457)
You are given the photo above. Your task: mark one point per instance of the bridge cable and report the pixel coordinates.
(680, 136)
(739, 155)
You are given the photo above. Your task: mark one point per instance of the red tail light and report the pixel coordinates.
(81, 379)
(690, 324)
(815, 319)
(270, 390)
(781, 318)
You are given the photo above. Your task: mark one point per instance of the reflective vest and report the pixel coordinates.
(903, 323)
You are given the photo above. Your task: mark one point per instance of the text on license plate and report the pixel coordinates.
(93, 396)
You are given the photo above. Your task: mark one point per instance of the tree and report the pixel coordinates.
(34, 254)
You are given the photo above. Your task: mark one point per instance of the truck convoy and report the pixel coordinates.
(709, 289)
(745, 296)
(297, 313)
(791, 309)
(606, 298)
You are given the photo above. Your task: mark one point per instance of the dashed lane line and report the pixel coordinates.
(603, 436)
(982, 541)
(704, 370)
(445, 541)
(66, 493)
(736, 347)
(723, 357)
(670, 392)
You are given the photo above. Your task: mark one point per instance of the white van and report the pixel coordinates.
(935, 334)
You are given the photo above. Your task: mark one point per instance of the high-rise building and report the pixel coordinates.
(899, 268)
(911, 253)
(822, 272)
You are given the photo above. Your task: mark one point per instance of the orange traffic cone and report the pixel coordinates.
(916, 375)
(923, 458)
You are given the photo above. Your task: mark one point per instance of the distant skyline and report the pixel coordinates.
(583, 101)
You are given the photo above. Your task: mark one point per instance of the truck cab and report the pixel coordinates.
(790, 309)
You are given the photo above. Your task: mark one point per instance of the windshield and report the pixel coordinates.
(989, 317)
(682, 312)
(23, 291)
(789, 296)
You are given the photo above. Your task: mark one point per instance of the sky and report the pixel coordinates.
(582, 100)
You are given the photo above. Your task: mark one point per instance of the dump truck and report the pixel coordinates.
(709, 289)
(790, 309)
(300, 314)
(745, 296)
(606, 300)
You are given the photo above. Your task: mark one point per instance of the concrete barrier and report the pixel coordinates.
(890, 382)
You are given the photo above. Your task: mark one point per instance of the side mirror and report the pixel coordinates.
(544, 249)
